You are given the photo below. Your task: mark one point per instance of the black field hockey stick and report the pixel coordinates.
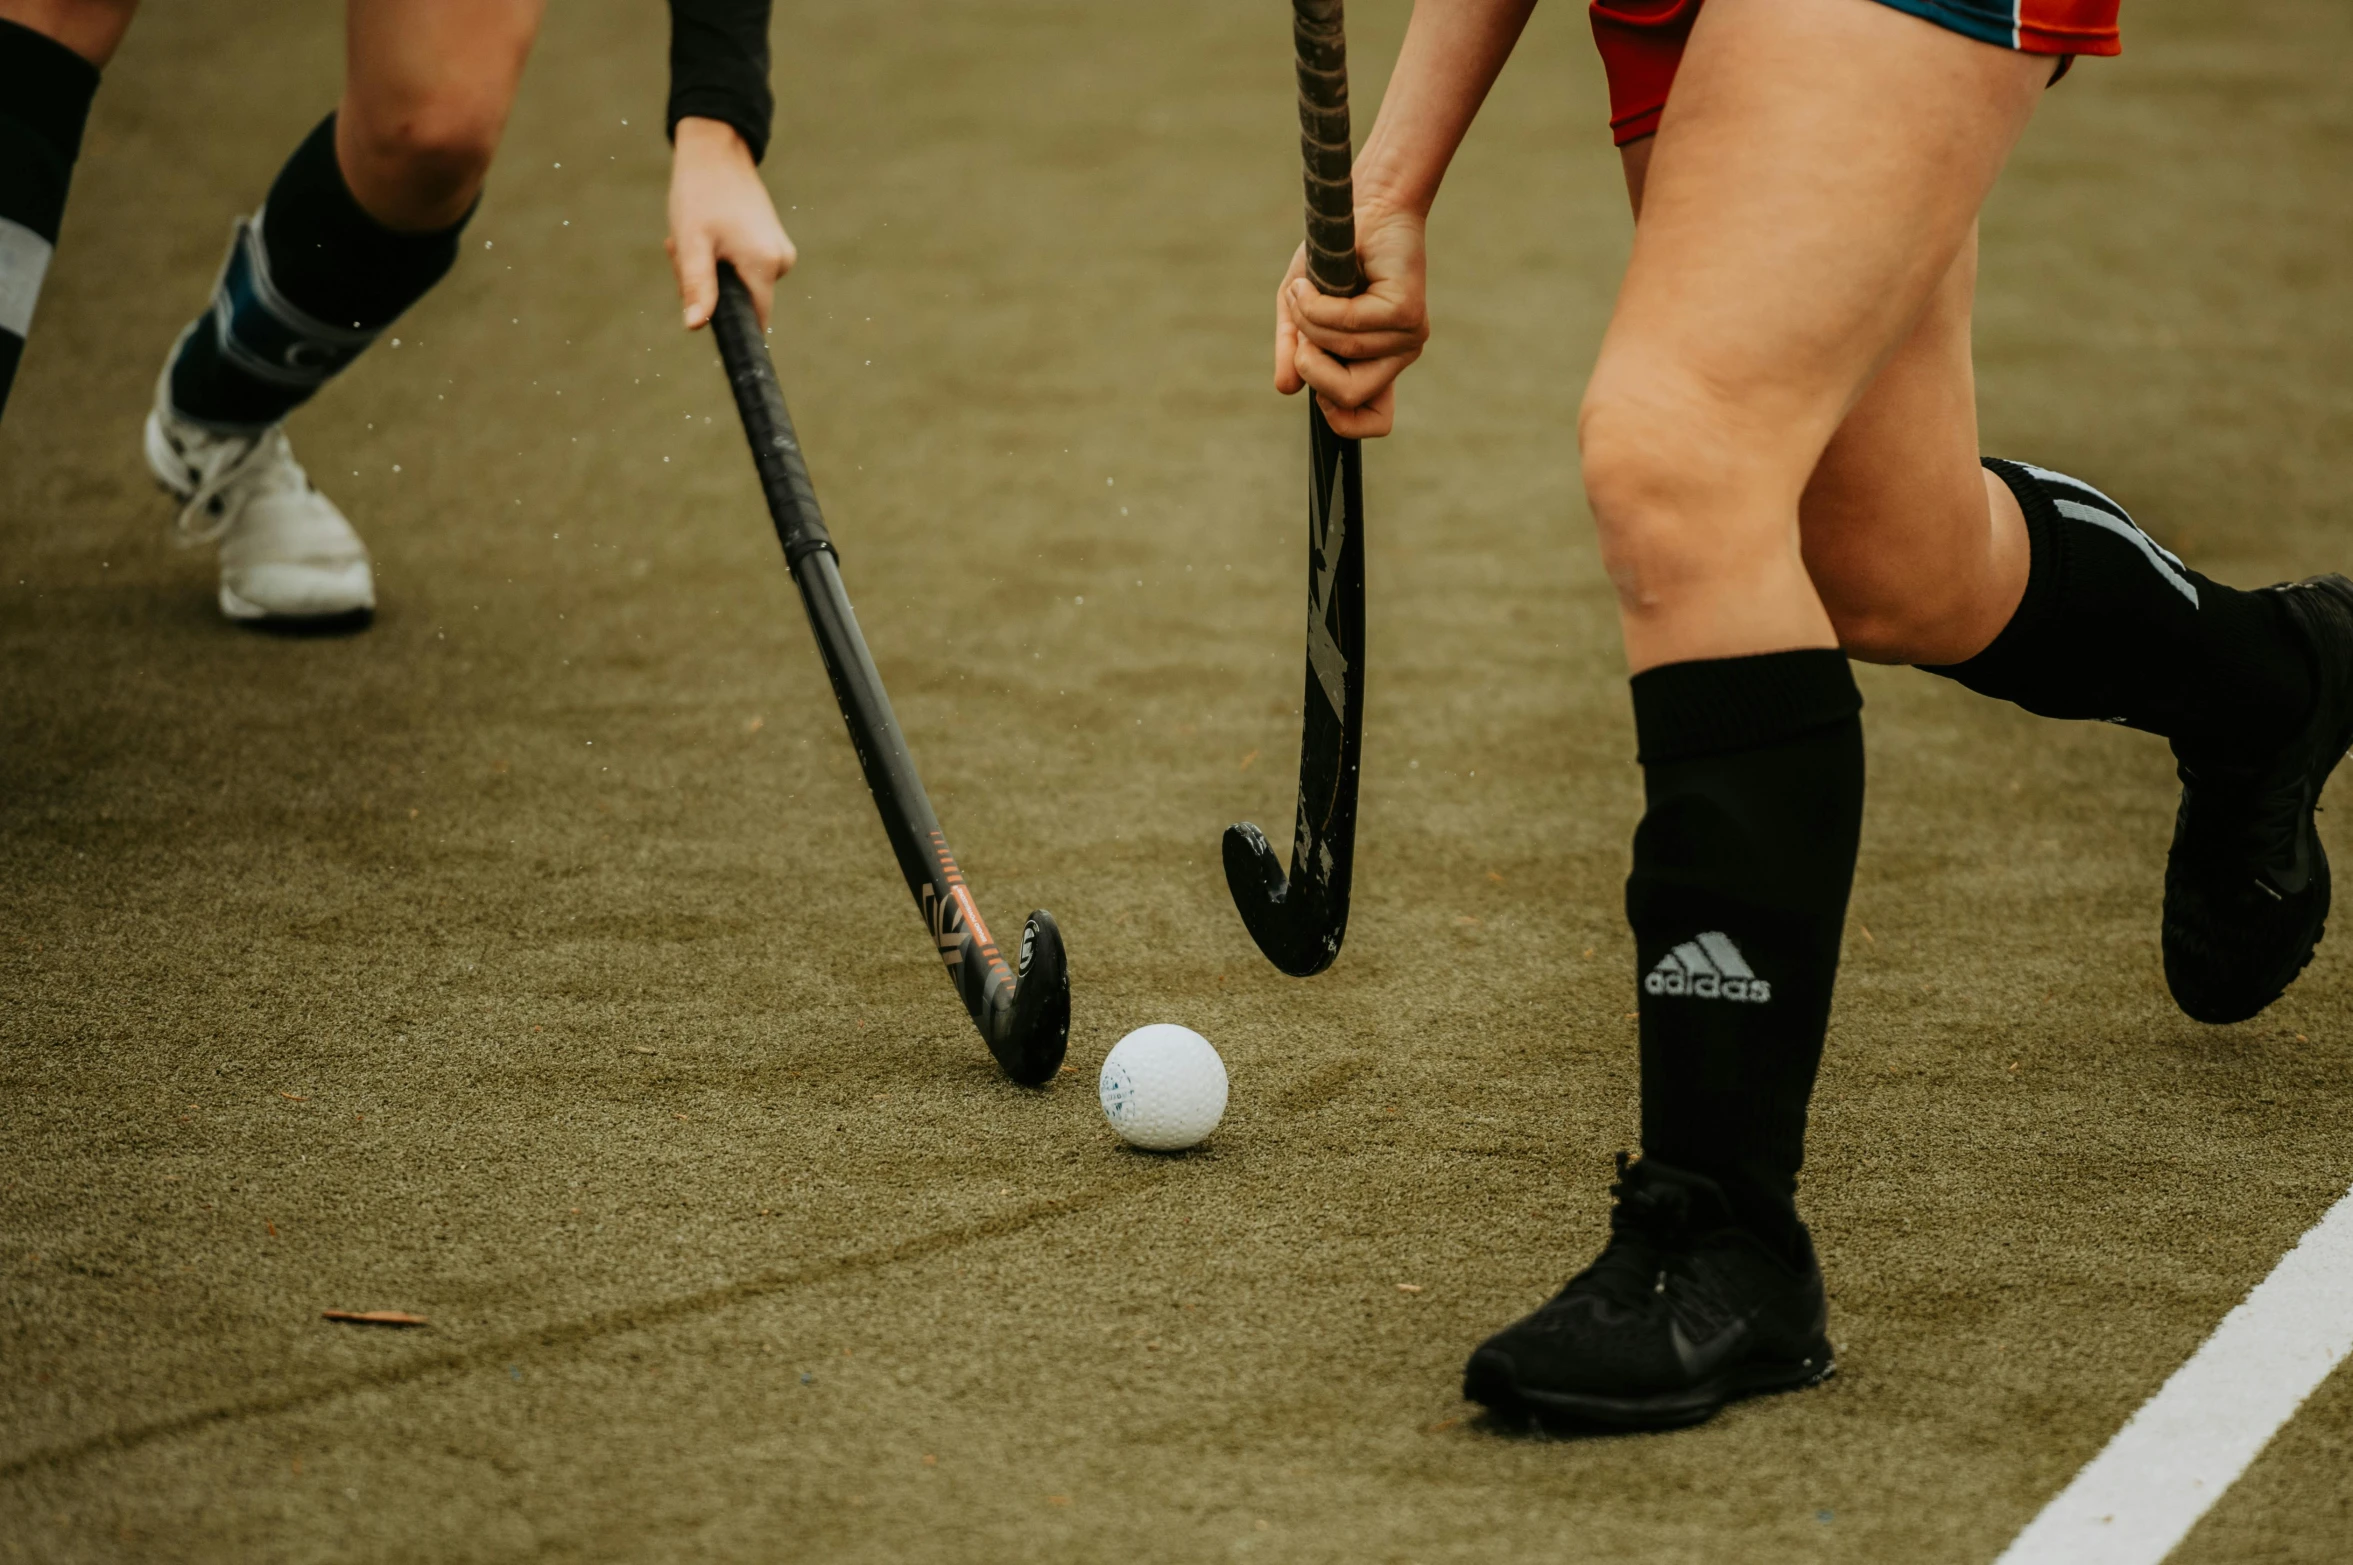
(1299, 920)
(1023, 1012)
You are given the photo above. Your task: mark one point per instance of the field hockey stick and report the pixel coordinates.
(1023, 1011)
(1299, 920)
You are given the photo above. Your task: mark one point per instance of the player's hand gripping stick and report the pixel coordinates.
(1299, 920)
(1022, 1010)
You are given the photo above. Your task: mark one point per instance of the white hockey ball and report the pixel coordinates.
(1163, 1087)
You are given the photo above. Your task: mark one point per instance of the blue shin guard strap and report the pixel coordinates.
(310, 281)
(266, 335)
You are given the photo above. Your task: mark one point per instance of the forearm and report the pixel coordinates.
(1454, 50)
(719, 67)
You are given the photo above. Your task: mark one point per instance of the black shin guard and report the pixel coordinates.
(307, 286)
(1753, 776)
(45, 92)
(2114, 627)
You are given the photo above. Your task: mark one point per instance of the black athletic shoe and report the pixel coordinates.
(1683, 1312)
(2247, 885)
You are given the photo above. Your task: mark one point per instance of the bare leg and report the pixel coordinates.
(92, 29)
(1918, 553)
(427, 88)
(1797, 226)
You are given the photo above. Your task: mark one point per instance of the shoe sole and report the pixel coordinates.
(327, 622)
(2194, 1005)
(1490, 1381)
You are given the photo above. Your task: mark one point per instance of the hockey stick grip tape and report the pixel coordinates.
(776, 449)
(1319, 40)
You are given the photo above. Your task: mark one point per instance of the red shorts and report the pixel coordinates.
(1641, 41)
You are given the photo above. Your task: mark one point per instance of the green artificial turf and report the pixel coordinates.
(534, 961)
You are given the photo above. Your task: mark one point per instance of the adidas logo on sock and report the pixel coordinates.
(1708, 968)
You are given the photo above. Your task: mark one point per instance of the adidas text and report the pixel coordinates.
(1707, 968)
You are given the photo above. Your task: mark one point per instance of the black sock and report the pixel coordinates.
(2112, 626)
(45, 92)
(306, 288)
(1753, 775)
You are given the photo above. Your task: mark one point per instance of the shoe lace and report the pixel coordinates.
(236, 473)
(1657, 1209)
(1651, 1217)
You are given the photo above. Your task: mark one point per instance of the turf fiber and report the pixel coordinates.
(534, 961)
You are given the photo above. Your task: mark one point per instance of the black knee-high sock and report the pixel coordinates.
(2113, 626)
(306, 288)
(1753, 776)
(45, 92)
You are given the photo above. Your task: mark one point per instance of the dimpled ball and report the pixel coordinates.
(1163, 1087)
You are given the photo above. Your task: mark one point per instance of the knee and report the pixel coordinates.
(420, 163)
(1678, 498)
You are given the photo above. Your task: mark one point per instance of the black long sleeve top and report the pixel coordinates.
(719, 67)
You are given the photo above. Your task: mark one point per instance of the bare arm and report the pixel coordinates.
(1352, 350)
(1454, 50)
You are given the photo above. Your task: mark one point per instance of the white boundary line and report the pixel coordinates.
(2174, 1458)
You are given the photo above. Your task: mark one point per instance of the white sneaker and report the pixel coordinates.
(286, 552)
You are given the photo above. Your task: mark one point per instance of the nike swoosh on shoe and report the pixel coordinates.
(1702, 1359)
